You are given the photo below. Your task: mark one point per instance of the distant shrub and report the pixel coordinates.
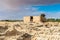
(12, 20)
(53, 20)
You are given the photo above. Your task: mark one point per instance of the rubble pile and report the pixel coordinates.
(30, 31)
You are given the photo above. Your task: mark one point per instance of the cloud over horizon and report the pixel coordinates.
(15, 4)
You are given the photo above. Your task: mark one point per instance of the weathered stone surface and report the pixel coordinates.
(15, 30)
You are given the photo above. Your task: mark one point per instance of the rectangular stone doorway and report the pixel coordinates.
(31, 18)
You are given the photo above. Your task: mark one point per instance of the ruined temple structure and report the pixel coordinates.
(35, 19)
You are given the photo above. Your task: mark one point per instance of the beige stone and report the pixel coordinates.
(35, 19)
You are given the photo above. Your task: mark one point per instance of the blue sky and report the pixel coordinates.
(48, 8)
(7, 12)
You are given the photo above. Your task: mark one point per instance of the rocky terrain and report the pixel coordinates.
(29, 31)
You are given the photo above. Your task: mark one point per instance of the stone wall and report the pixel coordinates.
(26, 19)
(36, 19)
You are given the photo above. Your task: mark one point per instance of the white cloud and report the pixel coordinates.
(9, 5)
